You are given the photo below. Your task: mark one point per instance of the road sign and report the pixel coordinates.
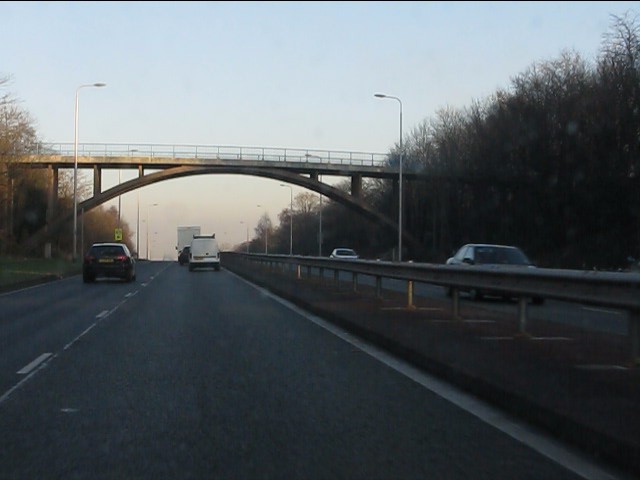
(118, 234)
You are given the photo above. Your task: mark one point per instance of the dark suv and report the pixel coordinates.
(183, 256)
(112, 260)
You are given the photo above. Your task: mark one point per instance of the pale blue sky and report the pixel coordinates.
(273, 74)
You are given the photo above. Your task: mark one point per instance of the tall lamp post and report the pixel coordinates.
(75, 168)
(290, 218)
(138, 228)
(308, 155)
(150, 205)
(382, 95)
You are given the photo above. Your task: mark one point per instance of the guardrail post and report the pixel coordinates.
(298, 271)
(634, 336)
(379, 286)
(321, 274)
(522, 315)
(308, 272)
(354, 281)
(410, 304)
(455, 294)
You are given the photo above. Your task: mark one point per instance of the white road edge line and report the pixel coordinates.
(549, 447)
(602, 310)
(33, 365)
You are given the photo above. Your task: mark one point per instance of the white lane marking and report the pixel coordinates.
(68, 345)
(8, 393)
(454, 322)
(601, 367)
(101, 316)
(602, 310)
(547, 446)
(533, 339)
(33, 365)
(551, 339)
(131, 294)
(433, 309)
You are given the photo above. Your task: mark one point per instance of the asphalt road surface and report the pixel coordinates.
(202, 375)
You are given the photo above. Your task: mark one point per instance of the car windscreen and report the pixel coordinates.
(497, 255)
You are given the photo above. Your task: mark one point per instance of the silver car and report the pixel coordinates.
(344, 253)
(490, 255)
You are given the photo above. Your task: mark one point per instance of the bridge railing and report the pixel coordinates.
(222, 152)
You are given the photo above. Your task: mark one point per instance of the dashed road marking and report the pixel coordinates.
(33, 365)
(431, 309)
(601, 367)
(602, 310)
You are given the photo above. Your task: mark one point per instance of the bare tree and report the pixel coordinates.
(306, 202)
(17, 137)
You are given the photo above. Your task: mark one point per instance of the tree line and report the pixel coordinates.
(551, 164)
(24, 191)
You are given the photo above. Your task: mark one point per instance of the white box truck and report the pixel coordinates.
(185, 236)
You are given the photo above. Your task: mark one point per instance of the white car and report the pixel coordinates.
(344, 253)
(204, 252)
(483, 254)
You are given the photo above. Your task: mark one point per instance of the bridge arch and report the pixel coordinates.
(352, 202)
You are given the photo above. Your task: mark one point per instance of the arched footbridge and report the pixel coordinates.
(157, 163)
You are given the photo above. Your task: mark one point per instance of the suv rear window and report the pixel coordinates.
(107, 251)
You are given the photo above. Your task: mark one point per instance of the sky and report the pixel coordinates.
(267, 74)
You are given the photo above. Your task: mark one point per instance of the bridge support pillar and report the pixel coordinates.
(356, 186)
(97, 180)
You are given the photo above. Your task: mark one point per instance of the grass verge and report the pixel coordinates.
(16, 272)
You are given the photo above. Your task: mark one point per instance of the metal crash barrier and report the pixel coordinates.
(620, 290)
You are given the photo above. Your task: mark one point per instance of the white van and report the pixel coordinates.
(204, 252)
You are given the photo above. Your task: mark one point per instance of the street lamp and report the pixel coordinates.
(75, 168)
(308, 155)
(150, 205)
(290, 219)
(382, 95)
